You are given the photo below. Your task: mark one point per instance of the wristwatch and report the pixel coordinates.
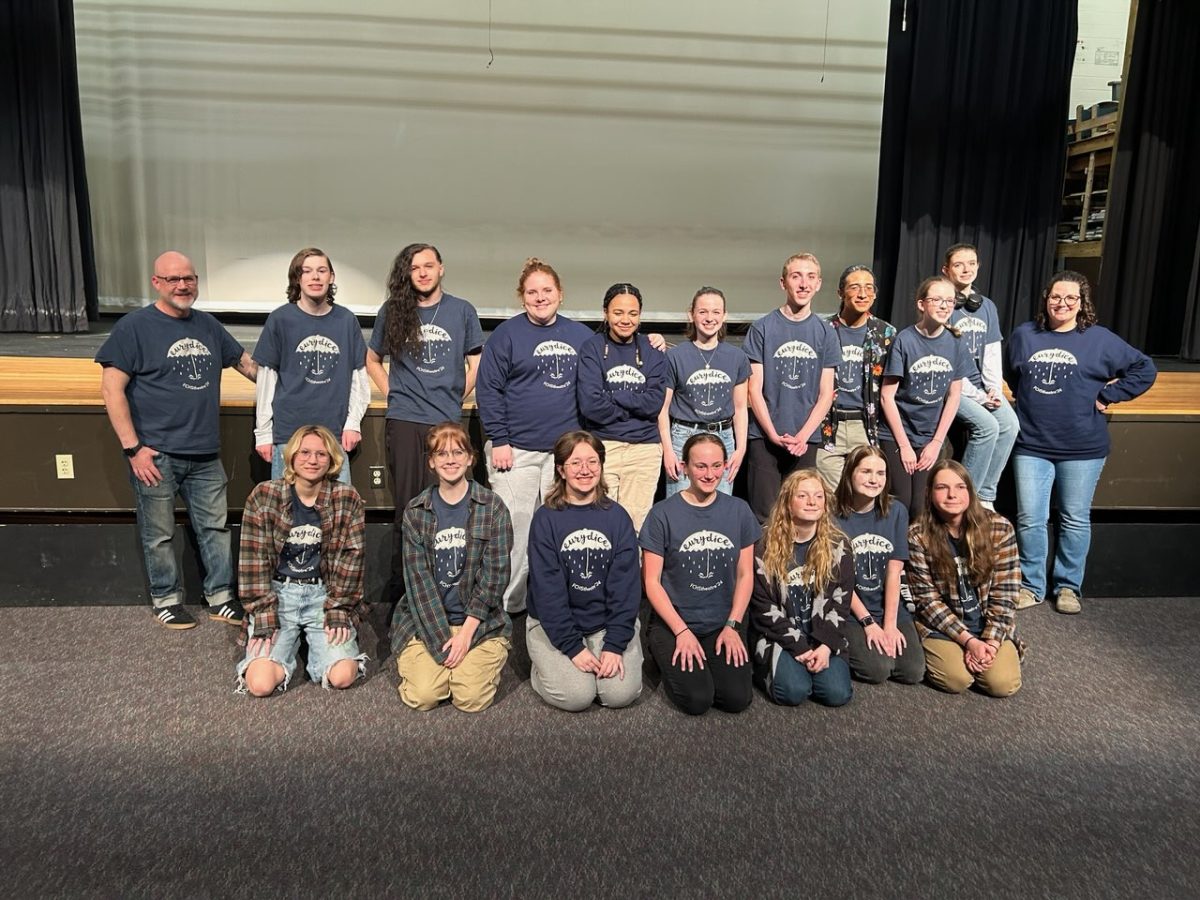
(866, 620)
(132, 451)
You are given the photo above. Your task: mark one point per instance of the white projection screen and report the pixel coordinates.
(669, 144)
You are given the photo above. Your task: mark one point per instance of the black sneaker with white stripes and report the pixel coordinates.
(230, 612)
(174, 617)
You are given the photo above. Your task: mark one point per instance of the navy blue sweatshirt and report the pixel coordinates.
(584, 575)
(526, 386)
(618, 399)
(1056, 378)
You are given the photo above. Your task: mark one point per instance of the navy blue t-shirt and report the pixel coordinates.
(978, 329)
(449, 551)
(972, 617)
(174, 368)
(526, 384)
(793, 356)
(428, 388)
(700, 546)
(703, 381)
(927, 367)
(315, 358)
(301, 554)
(850, 370)
(876, 541)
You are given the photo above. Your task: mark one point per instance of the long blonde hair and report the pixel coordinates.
(779, 536)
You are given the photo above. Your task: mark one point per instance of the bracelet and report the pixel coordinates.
(732, 623)
(681, 631)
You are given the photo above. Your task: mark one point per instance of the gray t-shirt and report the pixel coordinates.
(428, 388)
(703, 381)
(449, 550)
(876, 541)
(793, 356)
(978, 329)
(926, 367)
(850, 371)
(700, 546)
(301, 554)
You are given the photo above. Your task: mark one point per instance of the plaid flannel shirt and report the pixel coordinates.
(877, 344)
(939, 608)
(265, 526)
(485, 573)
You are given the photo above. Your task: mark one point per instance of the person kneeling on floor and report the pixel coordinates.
(300, 570)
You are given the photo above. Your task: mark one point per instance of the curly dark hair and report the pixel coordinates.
(1087, 312)
(402, 333)
(297, 265)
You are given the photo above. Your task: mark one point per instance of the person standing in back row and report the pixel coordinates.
(794, 356)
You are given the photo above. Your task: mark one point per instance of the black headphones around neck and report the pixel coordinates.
(970, 303)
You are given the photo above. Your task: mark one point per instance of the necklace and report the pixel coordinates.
(707, 362)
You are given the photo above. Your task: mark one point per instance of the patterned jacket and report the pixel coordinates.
(939, 608)
(877, 343)
(774, 618)
(485, 573)
(265, 526)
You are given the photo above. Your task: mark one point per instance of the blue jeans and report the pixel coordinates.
(991, 434)
(200, 481)
(302, 613)
(791, 684)
(679, 435)
(1074, 481)
(277, 464)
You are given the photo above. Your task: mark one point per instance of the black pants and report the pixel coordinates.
(908, 489)
(717, 684)
(410, 473)
(875, 668)
(766, 467)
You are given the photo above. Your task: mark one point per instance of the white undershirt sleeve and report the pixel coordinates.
(264, 403)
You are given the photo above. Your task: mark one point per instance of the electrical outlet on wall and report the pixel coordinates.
(376, 476)
(64, 465)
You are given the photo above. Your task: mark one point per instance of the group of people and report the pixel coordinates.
(839, 424)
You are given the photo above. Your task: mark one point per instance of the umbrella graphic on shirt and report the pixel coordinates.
(318, 353)
(935, 367)
(852, 358)
(553, 357)
(451, 541)
(1044, 362)
(625, 376)
(797, 354)
(704, 382)
(303, 539)
(584, 542)
(973, 330)
(870, 554)
(434, 340)
(191, 358)
(700, 545)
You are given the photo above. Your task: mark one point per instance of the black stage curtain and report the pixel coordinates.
(1150, 285)
(973, 146)
(47, 264)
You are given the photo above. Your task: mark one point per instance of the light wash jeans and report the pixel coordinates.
(991, 434)
(200, 481)
(1074, 482)
(277, 464)
(679, 435)
(302, 614)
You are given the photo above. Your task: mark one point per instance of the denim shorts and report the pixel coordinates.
(302, 614)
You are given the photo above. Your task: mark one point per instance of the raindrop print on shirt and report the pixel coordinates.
(849, 370)
(973, 330)
(556, 360)
(931, 376)
(435, 349)
(192, 361)
(801, 599)
(302, 540)
(708, 388)
(795, 363)
(585, 553)
(625, 377)
(1051, 368)
(449, 545)
(871, 555)
(705, 554)
(319, 356)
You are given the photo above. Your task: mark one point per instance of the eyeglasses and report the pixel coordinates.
(456, 453)
(867, 290)
(579, 465)
(173, 280)
(318, 455)
(1070, 301)
(940, 301)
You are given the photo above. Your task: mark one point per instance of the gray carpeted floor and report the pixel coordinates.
(130, 768)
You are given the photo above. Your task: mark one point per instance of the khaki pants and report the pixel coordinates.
(470, 686)
(521, 488)
(946, 670)
(631, 476)
(850, 434)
